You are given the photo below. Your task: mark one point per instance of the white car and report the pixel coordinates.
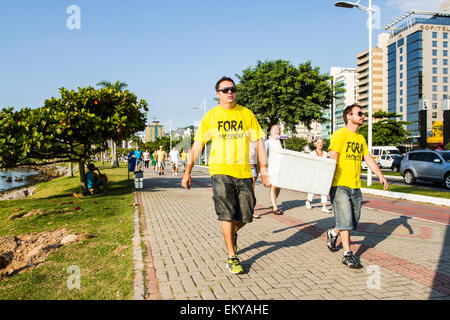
(385, 161)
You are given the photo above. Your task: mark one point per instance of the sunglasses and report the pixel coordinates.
(228, 89)
(360, 114)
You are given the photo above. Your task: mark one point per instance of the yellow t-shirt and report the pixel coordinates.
(230, 132)
(352, 148)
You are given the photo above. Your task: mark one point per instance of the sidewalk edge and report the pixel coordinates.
(408, 196)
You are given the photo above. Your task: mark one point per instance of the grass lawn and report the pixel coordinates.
(407, 189)
(106, 271)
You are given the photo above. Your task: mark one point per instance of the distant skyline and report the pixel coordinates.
(172, 53)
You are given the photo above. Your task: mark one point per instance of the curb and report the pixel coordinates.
(138, 285)
(408, 196)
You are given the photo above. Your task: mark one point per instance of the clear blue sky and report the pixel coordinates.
(171, 53)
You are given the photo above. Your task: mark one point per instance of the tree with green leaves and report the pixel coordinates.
(387, 131)
(277, 91)
(120, 86)
(71, 128)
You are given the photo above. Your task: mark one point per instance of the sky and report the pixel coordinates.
(171, 53)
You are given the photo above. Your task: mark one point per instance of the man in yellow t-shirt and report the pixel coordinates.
(348, 148)
(161, 156)
(230, 127)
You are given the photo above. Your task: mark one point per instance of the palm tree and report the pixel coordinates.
(118, 85)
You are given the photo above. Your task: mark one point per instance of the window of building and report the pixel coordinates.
(445, 70)
(434, 70)
(445, 44)
(401, 109)
(434, 44)
(434, 87)
(401, 100)
(401, 92)
(434, 35)
(445, 79)
(434, 61)
(445, 35)
(401, 83)
(445, 52)
(434, 104)
(434, 96)
(434, 52)
(445, 62)
(401, 67)
(435, 79)
(401, 75)
(401, 50)
(445, 88)
(434, 115)
(445, 96)
(401, 58)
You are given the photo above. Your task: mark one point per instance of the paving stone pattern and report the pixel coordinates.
(285, 257)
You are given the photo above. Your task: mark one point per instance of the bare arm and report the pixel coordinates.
(262, 161)
(334, 155)
(374, 167)
(196, 150)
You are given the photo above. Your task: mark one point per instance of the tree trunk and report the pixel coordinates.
(71, 168)
(82, 176)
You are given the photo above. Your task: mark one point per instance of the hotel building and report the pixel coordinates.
(418, 66)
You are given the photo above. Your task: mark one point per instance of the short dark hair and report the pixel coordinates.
(91, 166)
(348, 110)
(222, 80)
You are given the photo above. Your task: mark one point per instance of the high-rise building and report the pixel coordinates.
(345, 80)
(418, 65)
(154, 131)
(379, 76)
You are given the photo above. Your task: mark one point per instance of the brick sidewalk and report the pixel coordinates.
(285, 257)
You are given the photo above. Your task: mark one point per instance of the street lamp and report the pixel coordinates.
(348, 4)
(203, 105)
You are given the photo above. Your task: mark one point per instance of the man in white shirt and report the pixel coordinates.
(274, 143)
(174, 158)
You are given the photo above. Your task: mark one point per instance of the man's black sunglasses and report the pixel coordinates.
(228, 89)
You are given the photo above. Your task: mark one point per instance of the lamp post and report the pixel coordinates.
(170, 133)
(348, 4)
(203, 105)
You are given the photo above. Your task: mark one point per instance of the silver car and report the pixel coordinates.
(428, 165)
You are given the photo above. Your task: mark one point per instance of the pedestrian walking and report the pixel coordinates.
(274, 143)
(323, 197)
(138, 155)
(230, 127)
(147, 159)
(155, 161)
(348, 148)
(162, 156)
(174, 158)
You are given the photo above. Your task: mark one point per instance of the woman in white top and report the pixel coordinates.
(274, 143)
(323, 198)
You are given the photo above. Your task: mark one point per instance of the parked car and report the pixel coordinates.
(428, 165)
(395, 166)
(386, 160)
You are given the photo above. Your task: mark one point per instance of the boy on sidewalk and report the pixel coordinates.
(230, 127)
(348, 148)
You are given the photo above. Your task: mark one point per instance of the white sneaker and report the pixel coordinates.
(325, 210)
(308, 205)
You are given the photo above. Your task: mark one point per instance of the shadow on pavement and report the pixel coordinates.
(376, 233)
(295, 240)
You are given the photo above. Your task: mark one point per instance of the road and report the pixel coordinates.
(398, 180)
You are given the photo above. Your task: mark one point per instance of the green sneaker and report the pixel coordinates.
(234, 266)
